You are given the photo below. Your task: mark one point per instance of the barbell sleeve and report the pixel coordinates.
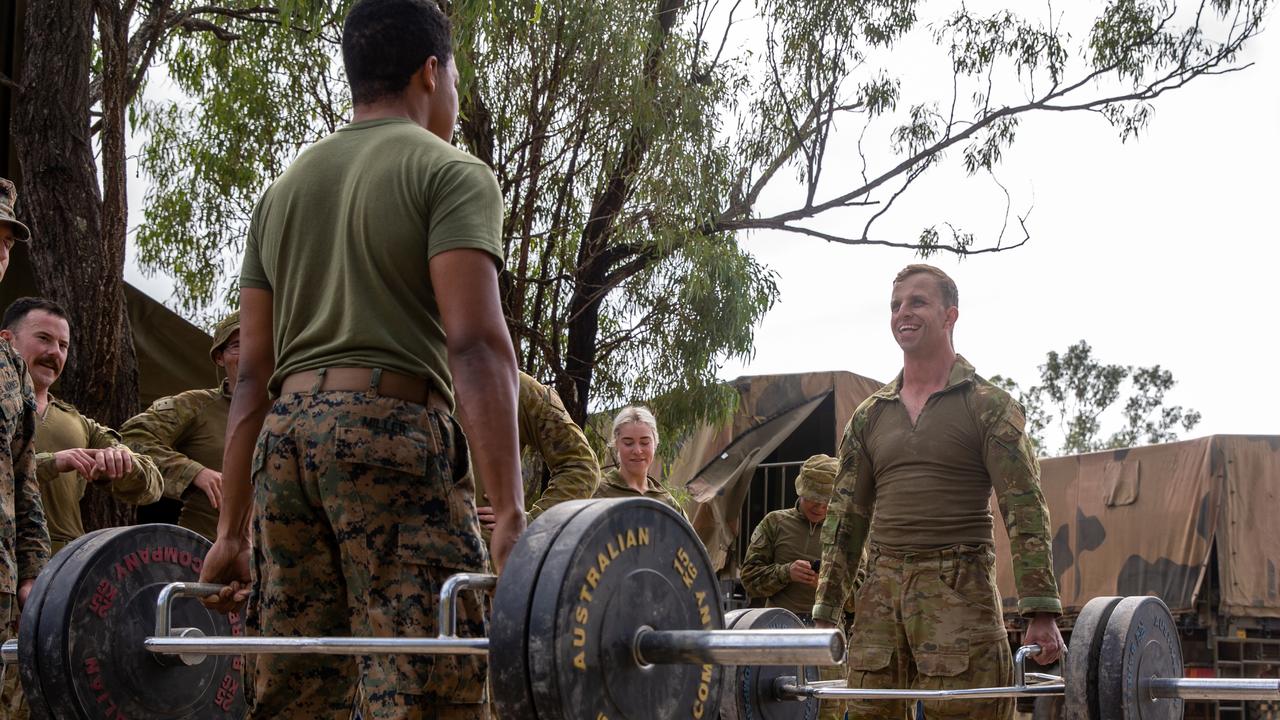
(9, 652)
(1214, 688)
(739, 647)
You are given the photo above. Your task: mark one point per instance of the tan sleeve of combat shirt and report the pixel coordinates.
(844, 533)
(545, 426)
(1015, 478)
(157, 430)
(140, 486)
(761, 576)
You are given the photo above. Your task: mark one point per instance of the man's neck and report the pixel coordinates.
(42, 400)
(381, 110)
(927, 372)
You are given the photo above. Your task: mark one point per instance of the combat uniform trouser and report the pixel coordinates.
(933, 621)
(13, 706)
(363, 508)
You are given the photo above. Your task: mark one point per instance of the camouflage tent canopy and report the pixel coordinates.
(778, 418)
(1145, 520)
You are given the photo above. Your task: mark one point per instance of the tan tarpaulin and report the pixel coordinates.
(714, 461)
(1143, 520)
(1249, 539)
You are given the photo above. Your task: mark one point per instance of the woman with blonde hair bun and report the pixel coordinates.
(634, 442)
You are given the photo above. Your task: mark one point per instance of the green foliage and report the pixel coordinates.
(633, 142)
(1076, 389)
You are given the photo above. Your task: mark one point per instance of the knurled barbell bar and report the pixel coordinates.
(1124, 662)
(607, 609)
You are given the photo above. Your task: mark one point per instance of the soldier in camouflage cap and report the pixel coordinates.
(24, 536)
(780, 562)
(184, 434)
(923, 455)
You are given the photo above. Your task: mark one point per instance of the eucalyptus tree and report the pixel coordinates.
(635, 142)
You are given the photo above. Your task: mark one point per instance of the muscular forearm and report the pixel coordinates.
(249, 407)
(484, 379)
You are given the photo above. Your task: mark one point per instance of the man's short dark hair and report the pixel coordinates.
(385, 41)
(24, 306)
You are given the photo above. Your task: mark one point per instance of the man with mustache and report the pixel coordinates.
(24, 537)
(71, 449)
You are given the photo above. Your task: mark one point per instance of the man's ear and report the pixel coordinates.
(426, 75)
(7, 335)
(953, 314)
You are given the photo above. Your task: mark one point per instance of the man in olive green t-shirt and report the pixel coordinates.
(369, 306)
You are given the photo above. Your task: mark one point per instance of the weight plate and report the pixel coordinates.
(28, 653)
(748, 689)
(615, 567)
(509, 617)
(99, 607)
(1080, 666)
(1140, 643)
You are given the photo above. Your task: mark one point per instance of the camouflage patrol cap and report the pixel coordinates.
(817, 478)
(222, 332)
(9, 198)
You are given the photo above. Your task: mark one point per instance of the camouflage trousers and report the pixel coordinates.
(363, 507)
(930, 620)
(13, 706)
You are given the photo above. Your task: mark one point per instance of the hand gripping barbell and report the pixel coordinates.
(606, 609)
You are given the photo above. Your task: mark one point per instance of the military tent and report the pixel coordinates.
(741, 469)
(1163, 520)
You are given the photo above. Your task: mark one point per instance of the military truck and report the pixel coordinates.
(1195, 523)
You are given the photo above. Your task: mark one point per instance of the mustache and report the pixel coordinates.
(49, 361)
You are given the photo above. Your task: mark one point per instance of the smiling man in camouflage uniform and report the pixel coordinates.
(784, 550)
(185, 433)
(922, 456)
(24, 538)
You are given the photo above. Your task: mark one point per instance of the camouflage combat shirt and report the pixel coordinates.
(781, 538)
(24, 538)
(613, 486)
(557, 462)
(184, 434)
(64, 428)
(928, 486)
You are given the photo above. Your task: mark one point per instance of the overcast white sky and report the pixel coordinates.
(1161, 250)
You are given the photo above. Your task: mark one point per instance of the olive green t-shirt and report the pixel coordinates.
(342, 240)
